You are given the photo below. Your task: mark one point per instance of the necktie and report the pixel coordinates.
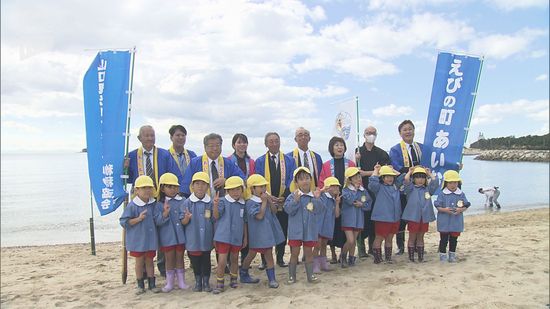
(149, 166)
(273, 158)
(414, 156)
(306, 160)
(216, 175)
(182, 162)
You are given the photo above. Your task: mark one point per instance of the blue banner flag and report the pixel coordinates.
(451, 105)
(106, 85)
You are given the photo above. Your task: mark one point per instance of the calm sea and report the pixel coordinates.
(45, 199)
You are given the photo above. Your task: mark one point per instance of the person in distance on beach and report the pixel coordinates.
(491, 196)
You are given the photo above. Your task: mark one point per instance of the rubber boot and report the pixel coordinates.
(198, 284)
(452, 257)
(309, 273)
(233, 281)
(324, 263)
(420, 251)
(316, 265)
(180, 274)
(246, 278)
(271, 278)
(377, 255)
(343, 260)
(170, 274)
(411, 253)
(140, 286)
(351, 260)
(362, 252)
(291, 273)
(442, 257)
(400, 239)
(152, 285)
(206, 284)
(387, 255)
(220, 285)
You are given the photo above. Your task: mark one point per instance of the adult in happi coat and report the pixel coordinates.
(182, 157)
(151, 161)
(211, 162)
(305, 157)
(277, 168)
(404, 155)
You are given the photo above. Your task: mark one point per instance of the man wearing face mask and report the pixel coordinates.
(367, 157)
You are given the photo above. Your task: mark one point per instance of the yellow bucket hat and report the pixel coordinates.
(169, 179)
(143, 181)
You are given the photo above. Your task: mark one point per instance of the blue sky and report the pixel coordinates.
(254, 67)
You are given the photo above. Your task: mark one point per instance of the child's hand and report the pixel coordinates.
(338, 198)
(358, 204)
(377, 167)
(142, 215)
(264, 197)
(217, 199)
(166, 209)
(317, 193)
(410, 170)
(188, 215)
(296, 196)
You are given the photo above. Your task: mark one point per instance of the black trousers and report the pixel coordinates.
(282, 216)
(201, 264)
(445, 238)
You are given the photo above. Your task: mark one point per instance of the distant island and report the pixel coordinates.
(531, 148)
(84, 150)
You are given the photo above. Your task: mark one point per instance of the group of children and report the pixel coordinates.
(245, 216)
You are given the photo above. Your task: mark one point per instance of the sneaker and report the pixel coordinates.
(452, 257)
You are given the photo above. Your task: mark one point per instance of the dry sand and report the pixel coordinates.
(503, 263)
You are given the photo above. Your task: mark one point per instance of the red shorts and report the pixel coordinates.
(299, 243)
(150, 254)
(224, 248)
(260, 250)
(385, 228)
(354, 229)
(454, 234)
(195, 253)
(324, 238)
(417, 227)
(179, 248)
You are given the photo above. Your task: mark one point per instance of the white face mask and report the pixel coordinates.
(370, 138)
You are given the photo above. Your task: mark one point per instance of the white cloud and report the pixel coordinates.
(509, 5)
(404, 4)
(542, 77)
(392, 110)
(537, 110)
(501, 46)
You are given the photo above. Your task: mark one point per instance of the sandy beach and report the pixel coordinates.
(503, 263)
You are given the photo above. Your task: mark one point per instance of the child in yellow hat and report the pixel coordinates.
(170, 230)
(450, 205)
(330, 198)
(138, 219)
(302, 206)
(198, 221)
(230, 235)
(264, 230)
(387, 211)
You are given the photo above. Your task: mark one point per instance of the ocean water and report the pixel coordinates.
(45, 198)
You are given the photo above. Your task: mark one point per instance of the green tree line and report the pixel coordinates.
(529, 142)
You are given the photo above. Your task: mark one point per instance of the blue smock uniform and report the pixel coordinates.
(302, 222)
(447, 199)
(419, 202)
(264, 233)
(388, 201)
(353, 216)
(230, 225)
(170, 229)
(325, 218)
(142, 236)
(199, 232)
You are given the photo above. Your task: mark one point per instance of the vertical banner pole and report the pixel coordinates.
(357, 133)
(92, 233)
(124, 253)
